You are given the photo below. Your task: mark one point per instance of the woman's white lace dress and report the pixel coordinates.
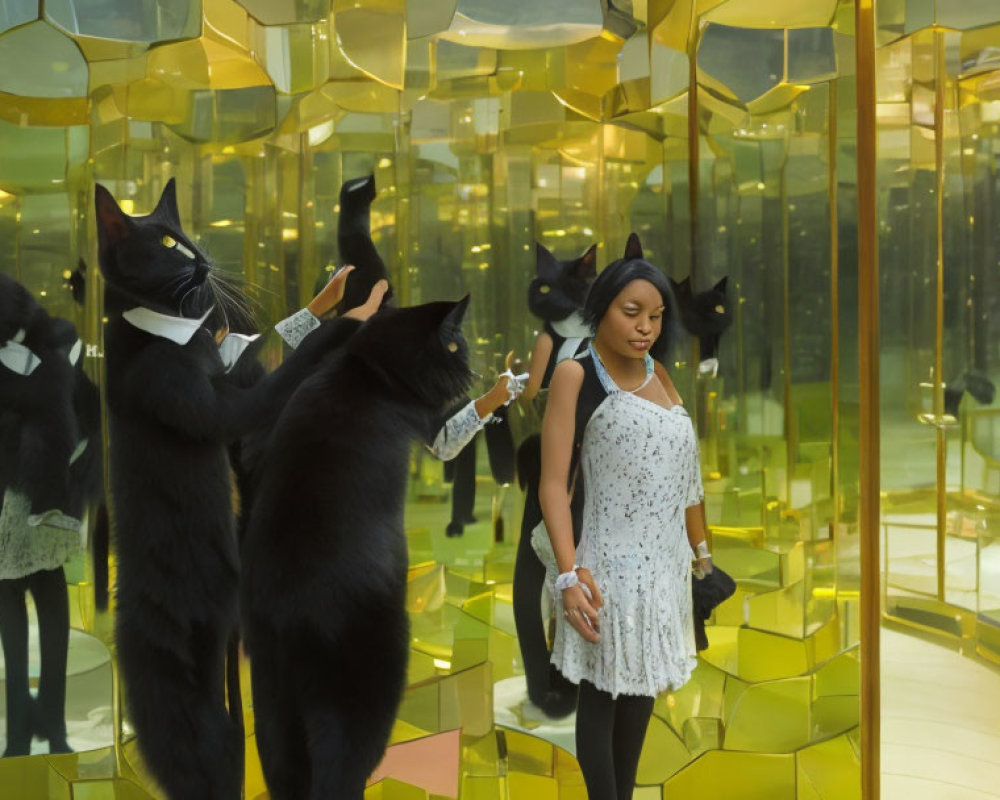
(641, 471)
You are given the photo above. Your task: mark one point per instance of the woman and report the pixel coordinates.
(624, 630)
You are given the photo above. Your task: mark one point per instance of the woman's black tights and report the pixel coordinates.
(48, 588)
(609, 736)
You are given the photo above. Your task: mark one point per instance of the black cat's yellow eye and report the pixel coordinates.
(452, 347)
(544, 288)
(720, 309)
(168, 241)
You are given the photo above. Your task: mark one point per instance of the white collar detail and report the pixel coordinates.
(573, 327)
(18, 358)
(177, 329)
(232, 347)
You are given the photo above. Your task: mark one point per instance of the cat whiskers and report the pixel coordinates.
(231, 298)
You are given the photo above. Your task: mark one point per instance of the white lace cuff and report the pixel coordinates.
(295, 328)
(457, 432)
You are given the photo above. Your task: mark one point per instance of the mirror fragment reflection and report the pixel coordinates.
(725, 138)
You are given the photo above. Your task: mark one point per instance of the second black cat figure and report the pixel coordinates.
(325, 559)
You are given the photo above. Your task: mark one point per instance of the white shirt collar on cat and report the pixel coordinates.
(18, 358)
(232, 347)
(176, 329)
(573, 327)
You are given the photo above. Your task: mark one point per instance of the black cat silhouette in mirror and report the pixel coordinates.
(354, 239)
(705, 315)
(556, 295)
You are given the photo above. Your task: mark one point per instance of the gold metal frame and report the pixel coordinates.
(868, 363)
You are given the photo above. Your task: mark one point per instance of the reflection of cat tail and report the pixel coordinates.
(529, 462)
(975, 383)
(99, 549)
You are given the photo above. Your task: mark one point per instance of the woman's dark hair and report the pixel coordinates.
(619, 274)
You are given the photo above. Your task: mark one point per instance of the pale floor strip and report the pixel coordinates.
(940, 723)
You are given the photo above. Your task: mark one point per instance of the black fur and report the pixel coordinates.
(171, 412)
(560, 287)
(325, 557)
(354, 240)
(705, 315)
(40, 424)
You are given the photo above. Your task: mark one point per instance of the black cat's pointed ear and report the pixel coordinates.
(546, 265)
(686, 284)
(456, 314)
(113, 224)
(167, 207)
(721, 285)
(586, 268)
(633, 248)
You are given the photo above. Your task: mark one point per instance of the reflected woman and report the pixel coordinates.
(39, 519)
(624, 628)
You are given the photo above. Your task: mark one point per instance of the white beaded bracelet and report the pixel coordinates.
(567, 580)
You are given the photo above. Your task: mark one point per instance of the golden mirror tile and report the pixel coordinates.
(58, 71)
(126, 21)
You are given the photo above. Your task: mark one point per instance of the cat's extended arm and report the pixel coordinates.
(219, 411)
(458, 431)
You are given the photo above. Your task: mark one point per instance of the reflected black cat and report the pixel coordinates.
(325, 556)
(172, 410)
(354, 239)
(705, 315)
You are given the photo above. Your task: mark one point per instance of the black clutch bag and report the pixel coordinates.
(706, 593)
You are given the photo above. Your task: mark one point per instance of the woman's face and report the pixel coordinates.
(633, 321)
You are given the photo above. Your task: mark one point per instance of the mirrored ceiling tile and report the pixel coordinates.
(205, 63)
(127, 20)
(17, 12)
(371, 36)
(20, 110)
(518, 24)
(455, 61)
(286, 12)
(669, 71)
(949, 14)
(296, 57)
(429, 17)
(773, 13)
(228, 115)
(58, 69)
(745, 61)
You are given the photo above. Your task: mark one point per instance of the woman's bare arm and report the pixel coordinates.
(558, 429)
(536, 370)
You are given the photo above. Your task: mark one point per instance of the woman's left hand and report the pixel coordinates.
(593, 593)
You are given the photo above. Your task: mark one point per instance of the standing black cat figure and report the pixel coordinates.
(556, 295)
(705, 315)
(354, 239)
(323, 595)
(171, 413)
